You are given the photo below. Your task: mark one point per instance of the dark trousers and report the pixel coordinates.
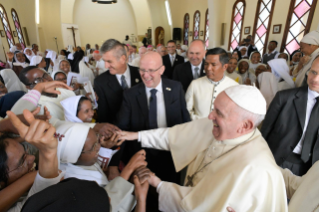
(296, 165)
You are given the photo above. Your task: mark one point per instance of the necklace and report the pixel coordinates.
(190, 178)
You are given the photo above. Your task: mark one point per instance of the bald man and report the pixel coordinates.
(194, 68)
(155, 103)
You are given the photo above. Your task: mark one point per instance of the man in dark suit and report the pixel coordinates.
(110, 85)
(171, 60)
(194, 68)
(291, 126)
(157, 103)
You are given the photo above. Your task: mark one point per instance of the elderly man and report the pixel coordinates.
(100, 65)
(233, 167)
(309, 45)
(141, 51)
(161, 50)
(194, 68)
(202, 92)
(291, 125)
(155, 103)
(171, 60)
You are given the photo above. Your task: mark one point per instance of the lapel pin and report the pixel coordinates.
(169, 89)
(137, 80)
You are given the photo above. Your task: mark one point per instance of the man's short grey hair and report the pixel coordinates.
(142, 47)
(112, 44)
(247, 115)
(203, 42)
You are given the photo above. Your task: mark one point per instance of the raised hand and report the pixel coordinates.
(143, 174)
(129, 136)
(136, 161)
(111, 142)
(10, 56)
(106, 129)
(50, 87)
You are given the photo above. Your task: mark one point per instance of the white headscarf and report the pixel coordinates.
(288, 56)
(72, 137)
(86, 72)
(36, 60)
(57, 62)
(56, 72)
(311, 38)
(11, 81)
(29, 57)
(268, 86)
(248, 74)
(251, 65)
(70, 106)
(280, 69)
(18, 63)
(244, 47)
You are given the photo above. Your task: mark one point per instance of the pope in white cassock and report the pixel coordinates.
(229, 162)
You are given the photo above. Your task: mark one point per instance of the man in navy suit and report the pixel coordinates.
(194, 68)
(171, 60)
(110, 85)
(157, 103)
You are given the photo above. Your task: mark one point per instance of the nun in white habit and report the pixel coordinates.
(280, 69)
(11, 81)
(72, 151)
(70, 106)
(29, 53)
(268, 86)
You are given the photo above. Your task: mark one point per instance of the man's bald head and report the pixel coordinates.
(151, 69)
(196, 52)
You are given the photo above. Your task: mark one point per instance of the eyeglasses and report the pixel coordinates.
(150, 71)
(40, 79)
(95, 147)
(61, 80)
(24, 157)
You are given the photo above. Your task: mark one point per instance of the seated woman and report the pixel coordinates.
(59, 76)
(78, 109)
(231, 71)
(255, 59)
(248, 78)
(29, 53)
(294, 61)
(236, 54)
(18, 61)
(280, 70)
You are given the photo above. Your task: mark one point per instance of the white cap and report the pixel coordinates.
(248, 98)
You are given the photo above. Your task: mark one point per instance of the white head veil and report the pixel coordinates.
(17, 62)
(251, 65)
(35, 60)
(70, 106)
(268, 86)
(29, 57)
(280, 69)
(11, 81)
(244, 47)
(311, 38)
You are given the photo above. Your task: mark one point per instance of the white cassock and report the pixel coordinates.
(303, 192)
(201, 94)
(234, 76)
(53, 104)
(247, 178)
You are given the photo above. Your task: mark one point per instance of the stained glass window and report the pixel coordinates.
(299, 22)
(18, 27)
(6, 26)
(237, 22)
(186, 28)
(196, 25)
(262, 24)
(207, 29)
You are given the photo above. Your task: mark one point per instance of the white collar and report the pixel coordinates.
(199, 66)
(216, 83)
(312, 94)
(159, 88)
(174, 55)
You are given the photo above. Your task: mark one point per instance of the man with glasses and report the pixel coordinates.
(157, 103)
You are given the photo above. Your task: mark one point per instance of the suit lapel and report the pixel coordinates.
(300, 103)
(189, 71)
(142, 101)
(167, 92)
(202, 71)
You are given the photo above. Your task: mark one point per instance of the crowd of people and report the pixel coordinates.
(171, 128)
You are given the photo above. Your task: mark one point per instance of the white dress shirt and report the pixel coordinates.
(172, 58)
(312, 95)
(127, 75)
(199, 69)
(161, 111)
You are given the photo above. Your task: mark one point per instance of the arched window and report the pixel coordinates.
(262, 24)
(237, 23)
(6, 26)
(18, 27)
(207, 29)
(186, 28)
(196, 25)
(298, 23)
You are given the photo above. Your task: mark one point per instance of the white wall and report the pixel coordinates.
(98, 22)
(142, 16)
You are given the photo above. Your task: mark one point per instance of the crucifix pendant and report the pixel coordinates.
(190, 181)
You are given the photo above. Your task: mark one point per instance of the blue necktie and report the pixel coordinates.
(152, 114)
(124, 83)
